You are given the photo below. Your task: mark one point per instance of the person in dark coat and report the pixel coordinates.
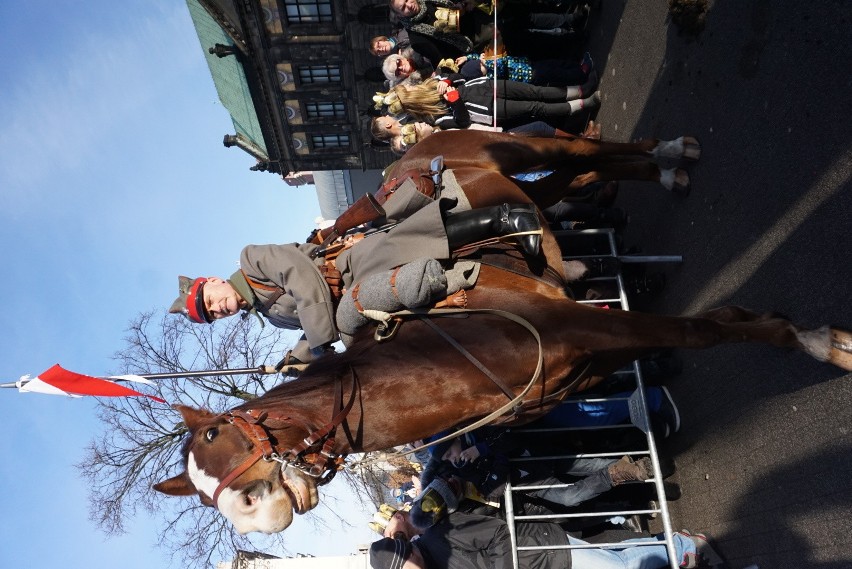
(404, 44)
(469, 541)
(460, 27)
(552, 72)
(483, 457)
(457, 28)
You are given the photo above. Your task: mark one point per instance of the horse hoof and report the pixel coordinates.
(841, 349)
(681, 185)
(691, 148)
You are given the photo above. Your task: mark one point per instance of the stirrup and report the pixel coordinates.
(539, 231)
(517, 239)
(386, 331)
(437, 167)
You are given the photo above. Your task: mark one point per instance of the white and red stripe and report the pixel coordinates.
(60, 381)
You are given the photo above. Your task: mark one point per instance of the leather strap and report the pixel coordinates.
(257, 434)
(333, 278)
(393, 276)
(355, 290)
(471, 358)
(276, 292)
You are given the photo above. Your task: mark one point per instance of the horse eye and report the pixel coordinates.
(211, 433)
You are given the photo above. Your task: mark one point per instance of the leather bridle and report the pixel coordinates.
(321, 464)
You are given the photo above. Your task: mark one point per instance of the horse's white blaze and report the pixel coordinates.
(816, 342)
(270, 513)
(202, 481)
(669, 148)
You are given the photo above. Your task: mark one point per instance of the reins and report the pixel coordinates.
(256, 433)
(326, 464)
(389, 322)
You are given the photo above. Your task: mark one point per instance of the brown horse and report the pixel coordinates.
(378, 395)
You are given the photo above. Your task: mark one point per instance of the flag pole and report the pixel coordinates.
(262, 370)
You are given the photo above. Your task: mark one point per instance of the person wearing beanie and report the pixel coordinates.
(393, 554)
(482, 457)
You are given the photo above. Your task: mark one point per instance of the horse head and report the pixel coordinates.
(228, 467)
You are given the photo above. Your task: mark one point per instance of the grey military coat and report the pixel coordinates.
(307, 302)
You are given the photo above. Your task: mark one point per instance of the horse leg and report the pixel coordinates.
(616, 337)
(840, 351)
(521, 154)
(673, 179)
(552, 152)
(832, 345)
(567, 181)
(733, 313)
(684, 147)
(509, 154)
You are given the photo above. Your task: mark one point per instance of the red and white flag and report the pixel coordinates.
(60, 381)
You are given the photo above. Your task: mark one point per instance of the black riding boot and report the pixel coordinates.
(498, 221)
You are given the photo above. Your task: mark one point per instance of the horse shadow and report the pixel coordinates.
(775, 523)
(764, 452)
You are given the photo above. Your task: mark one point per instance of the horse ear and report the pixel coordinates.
(194, 418)
(179, 485)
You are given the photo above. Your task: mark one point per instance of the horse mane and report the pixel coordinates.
(319, 373)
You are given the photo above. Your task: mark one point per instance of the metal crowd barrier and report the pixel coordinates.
(639, 415)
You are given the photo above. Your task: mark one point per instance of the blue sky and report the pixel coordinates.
(113, 180)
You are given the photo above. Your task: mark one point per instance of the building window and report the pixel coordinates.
(319, 74)
(325, 110)
(307, 11)
(330, 141)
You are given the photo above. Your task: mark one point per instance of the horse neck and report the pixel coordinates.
(294, 404)
(402, 392)
(381, 415)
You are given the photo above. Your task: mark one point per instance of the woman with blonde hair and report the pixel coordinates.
(433, 100)
(422, 102)
(425, 100)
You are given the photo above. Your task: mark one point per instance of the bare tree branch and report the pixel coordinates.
(141, 440)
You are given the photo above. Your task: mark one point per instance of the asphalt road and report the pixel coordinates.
(765, 452)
